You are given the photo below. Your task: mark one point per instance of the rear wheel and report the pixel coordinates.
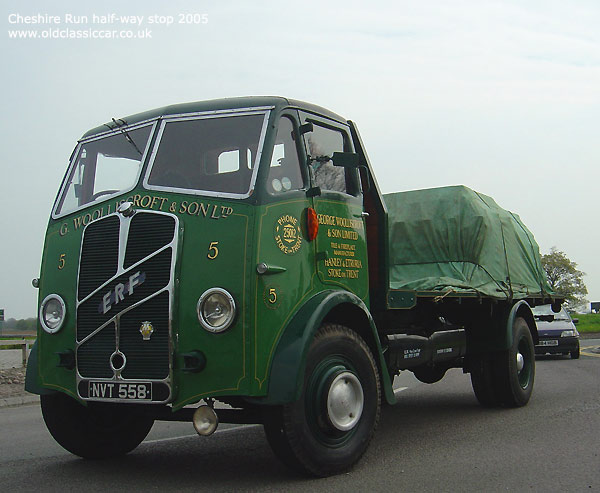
(96, 431)
(329, 428)
(516, 367)
(505, 378)
(482, 379)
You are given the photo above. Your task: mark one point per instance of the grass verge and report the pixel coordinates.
(588, 322)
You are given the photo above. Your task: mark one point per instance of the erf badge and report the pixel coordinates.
(287, 234)
(146, 330)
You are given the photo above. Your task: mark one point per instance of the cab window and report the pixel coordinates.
(284, 171)
(321, 143)
(104, 166)
(207, 155)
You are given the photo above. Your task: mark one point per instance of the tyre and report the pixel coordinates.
(482, 379)
(514, 370)
(95, 431)
(575, 353)
(329, 428)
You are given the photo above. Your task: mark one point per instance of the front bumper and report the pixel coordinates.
(556, 345)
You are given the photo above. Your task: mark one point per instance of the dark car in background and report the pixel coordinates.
(557, 331)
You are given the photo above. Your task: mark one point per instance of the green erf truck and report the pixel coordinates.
(234, 261)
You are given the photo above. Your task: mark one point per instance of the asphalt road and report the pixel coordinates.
(436, 439)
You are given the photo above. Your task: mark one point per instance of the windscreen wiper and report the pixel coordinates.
(121, 128)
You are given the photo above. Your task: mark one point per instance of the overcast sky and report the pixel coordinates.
(503, 97)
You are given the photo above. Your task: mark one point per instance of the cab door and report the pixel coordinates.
(341, 249)
(285, 273)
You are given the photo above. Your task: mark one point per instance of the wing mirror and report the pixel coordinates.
(351, 160)
(345, 159)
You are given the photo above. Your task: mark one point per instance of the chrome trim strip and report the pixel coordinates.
(120, 270)
(177, 115)
(118, 315)
(205, 116)
(217, 113)
(73, 160)
(124, 226)
(127, 127)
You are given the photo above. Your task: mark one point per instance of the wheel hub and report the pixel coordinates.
(345, 400)
(520, 362)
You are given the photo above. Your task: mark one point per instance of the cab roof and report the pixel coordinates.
(215, 105)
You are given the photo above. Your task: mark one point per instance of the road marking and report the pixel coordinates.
(590, 354)
(172, 439)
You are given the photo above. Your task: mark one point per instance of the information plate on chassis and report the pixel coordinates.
(550, 342)
(136, 391)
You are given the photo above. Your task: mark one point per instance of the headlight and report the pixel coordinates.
(216, 310)
(52, 313)
(568, 333)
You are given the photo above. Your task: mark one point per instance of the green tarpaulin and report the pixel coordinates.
(455, 239)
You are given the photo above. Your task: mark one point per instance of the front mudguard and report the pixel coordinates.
(31, 376)
(289, 361)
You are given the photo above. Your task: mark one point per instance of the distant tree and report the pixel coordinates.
(22, 325)
(564, 278)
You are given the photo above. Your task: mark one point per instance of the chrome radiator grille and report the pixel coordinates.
(124, 300)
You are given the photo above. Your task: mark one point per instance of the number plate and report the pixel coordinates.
(551, 342)
(138, 391)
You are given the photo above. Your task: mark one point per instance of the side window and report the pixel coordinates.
(322, 143)
(284, 172)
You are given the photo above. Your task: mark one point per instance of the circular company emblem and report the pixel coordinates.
(287, 234)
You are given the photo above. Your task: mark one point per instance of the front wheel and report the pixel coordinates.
(576, 352)
(329, 428)
(95, 431)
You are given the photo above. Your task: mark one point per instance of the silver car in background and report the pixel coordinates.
(557, 331)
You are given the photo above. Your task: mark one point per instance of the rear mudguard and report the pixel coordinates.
(521, 309)
(289, 362)
(499, 333)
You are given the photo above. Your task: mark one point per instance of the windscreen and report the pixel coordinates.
(547, 310)
(214, 155)
(103, 167)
